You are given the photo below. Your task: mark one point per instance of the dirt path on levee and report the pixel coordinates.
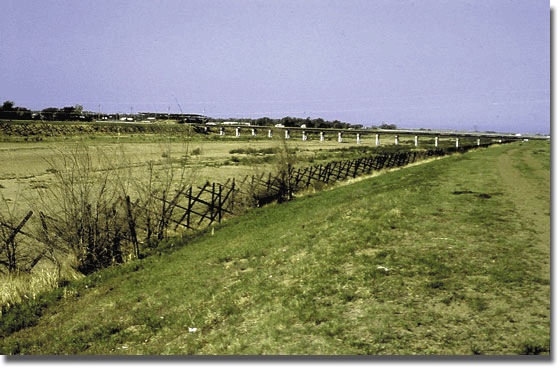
(526, 180)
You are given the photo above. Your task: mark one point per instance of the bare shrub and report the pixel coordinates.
(82, 212)
(158, 198)
(158, 195)
(8, 241)
(286, 158)
(278, 185)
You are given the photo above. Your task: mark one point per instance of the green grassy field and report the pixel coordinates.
(447, 257)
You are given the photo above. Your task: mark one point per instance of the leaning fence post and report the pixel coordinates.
(189, 207)
(18, 228)
(213, 211)
(220, 202)
(232, 197)
(132, 228)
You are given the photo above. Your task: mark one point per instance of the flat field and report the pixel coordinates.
(26, 166)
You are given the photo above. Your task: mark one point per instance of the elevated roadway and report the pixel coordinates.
(405, 132)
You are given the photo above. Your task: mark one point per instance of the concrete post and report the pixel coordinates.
(456, 142)
(269, 133)
(358, 141)
(478, 142)
(340, 137)
(287, 134)
(321, 136)
(415, 140)
(376, 139)
(436, 141)
(396, 139)
(237, 133)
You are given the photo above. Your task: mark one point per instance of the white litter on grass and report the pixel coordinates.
(193, 330)
(382, 268)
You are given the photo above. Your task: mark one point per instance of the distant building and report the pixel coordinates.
(179, 117)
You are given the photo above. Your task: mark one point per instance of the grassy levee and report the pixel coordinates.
(447, 257)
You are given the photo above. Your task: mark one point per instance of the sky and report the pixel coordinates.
(439, 64)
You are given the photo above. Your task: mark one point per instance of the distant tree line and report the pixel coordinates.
(75, 113)
(8, 110)
(295, 122)
(301, 122)
(308, 122)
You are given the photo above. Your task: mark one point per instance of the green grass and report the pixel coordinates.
(432, 259)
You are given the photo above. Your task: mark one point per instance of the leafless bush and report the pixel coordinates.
(159, 196)
(278, 185)
(82, 212)
(98, 212)
(9, 241)
(285, 162)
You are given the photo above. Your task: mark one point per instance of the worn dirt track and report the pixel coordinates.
(528, 188)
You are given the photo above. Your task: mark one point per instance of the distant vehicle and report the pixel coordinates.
(278, 125)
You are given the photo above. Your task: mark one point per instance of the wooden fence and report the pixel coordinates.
(197, 207)
(200, 206)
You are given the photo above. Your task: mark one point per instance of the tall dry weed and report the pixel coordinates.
(82, 210)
